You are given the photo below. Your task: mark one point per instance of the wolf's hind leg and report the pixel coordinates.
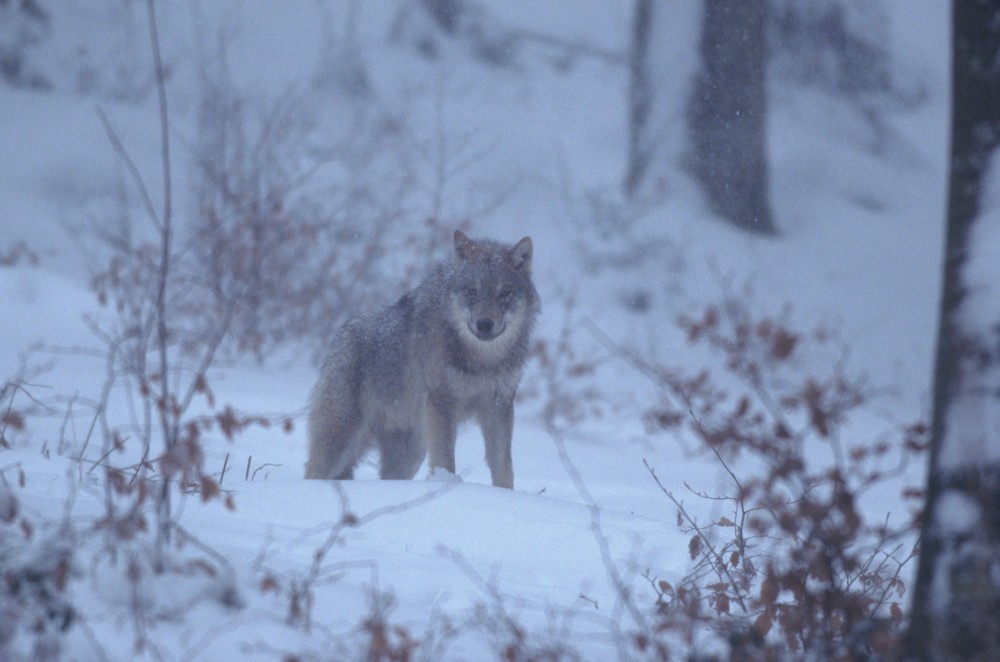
(336, 443)
(401, 453)
(336, 456)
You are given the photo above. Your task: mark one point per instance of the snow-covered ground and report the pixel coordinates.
(859, 252)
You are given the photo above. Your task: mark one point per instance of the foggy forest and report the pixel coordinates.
(757, 415)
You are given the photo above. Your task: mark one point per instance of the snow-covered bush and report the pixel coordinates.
(35, 572)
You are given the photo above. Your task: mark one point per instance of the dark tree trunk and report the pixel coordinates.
(640, 95)
(956, 600)
(727, 114)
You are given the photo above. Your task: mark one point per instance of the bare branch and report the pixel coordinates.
(719, 561)
(137, 178)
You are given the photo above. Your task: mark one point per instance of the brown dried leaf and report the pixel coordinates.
(61, 574)
(721, 603)
(201, 386)
(268, 584)
(783, 344)
(743, 407)
(896, 614)
(694, 547)
(12, 419)
(8, 505)
(229, 422)
(762, 624)
(116, 479)
(818, 416)
(209, 488)
(769, 590)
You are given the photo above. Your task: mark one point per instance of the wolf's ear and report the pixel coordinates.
(520, 256)
(465, 248)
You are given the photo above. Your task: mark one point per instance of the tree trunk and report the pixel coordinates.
(640, 95)
(726, 114)
(956, 600)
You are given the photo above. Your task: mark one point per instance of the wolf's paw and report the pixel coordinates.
(441, 475)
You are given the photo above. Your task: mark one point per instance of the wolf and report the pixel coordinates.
(402, 379)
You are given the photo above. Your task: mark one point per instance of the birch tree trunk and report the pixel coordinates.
(956, 600)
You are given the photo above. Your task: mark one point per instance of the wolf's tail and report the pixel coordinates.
(335, 419)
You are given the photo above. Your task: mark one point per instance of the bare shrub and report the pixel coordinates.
(496, 619)
(255, 236)
(795, 566)
(36, 560)
(157, 367)
(35, 571)
(17, 402)
(298, 588)
(301, 223)
(374, 635)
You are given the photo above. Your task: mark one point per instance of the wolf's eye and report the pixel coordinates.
(471, 292)
(505, 293)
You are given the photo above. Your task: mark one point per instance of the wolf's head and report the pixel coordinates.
(493, 301)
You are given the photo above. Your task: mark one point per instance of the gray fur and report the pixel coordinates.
(403, 378)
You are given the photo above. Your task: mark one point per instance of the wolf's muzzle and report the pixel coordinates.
(486, 328)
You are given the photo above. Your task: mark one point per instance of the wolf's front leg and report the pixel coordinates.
(497, 423)
(440, 430)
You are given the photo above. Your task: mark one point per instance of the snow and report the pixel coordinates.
(982, 309)
(972, 418)
(860, 250)
(956, 513)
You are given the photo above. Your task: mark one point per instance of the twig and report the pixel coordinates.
(266, 464)
(704, 539)
(222, 476)
(572, 47)
(168, 420)
(349, 520)
(558, 439)
(137, 179)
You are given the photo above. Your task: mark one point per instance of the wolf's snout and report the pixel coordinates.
(486, 328)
